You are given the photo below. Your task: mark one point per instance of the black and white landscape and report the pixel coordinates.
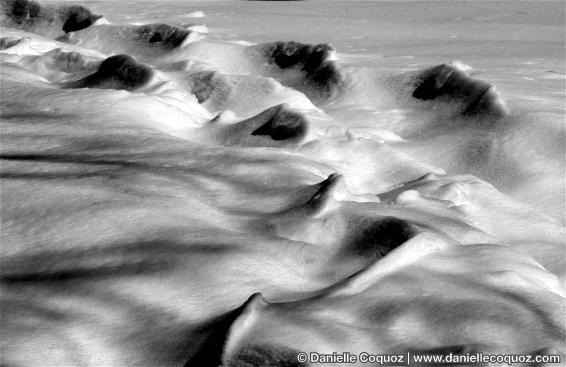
(234, 183)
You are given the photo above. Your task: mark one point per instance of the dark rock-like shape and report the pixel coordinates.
(314, 60)
(21, 11)
(117, 72)
(277, 126)
(77, 18)
(284, 124)
(447, 82)
(168, 36)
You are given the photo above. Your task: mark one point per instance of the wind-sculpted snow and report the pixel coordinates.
(174, 200)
